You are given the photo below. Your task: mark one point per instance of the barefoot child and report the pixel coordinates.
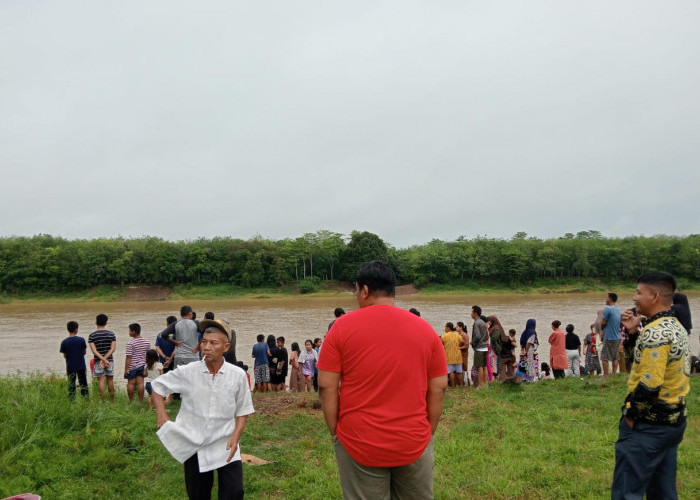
(154, 368)
(135, 361)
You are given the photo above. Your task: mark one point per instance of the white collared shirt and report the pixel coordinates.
(210, 404)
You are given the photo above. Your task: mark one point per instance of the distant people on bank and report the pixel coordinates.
(338, 312)
(261, 366)
(296, 378)
(308, 359)
(165, 348)
(573, 351)
(528, 351)
(102, 343)
(73, 349)
(135, 362)
(557, 351)
(590, 351)
(382, 427)
(464, 348)
(610, 354)
(451, 341)
(153, 370)
(546, 372)
(216, 403)
(480, 338)
(681, 308)
(184, 334)
(654, 413)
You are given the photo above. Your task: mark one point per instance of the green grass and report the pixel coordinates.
(553, 439)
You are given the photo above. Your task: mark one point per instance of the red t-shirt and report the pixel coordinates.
(385, 356)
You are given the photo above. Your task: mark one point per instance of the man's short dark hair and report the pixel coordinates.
(170, 320)
(136, 328)
(261, 338)
(101, 320)
(415, 311)
(72, 326)
(379, 278)
(664, 282)
(209, 315)
(280, 339)
(185, 310)
(339, 311)
(477, 310)
(612, 296)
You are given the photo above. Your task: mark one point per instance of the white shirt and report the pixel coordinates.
(206, 421)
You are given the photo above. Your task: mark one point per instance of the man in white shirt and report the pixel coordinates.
(216, 403)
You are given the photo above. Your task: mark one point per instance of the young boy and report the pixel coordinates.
(282, 364)
(74, 349)
(262, 368)
(103, 343)
(135, 362)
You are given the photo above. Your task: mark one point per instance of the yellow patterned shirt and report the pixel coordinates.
(660, 377)
(451, 341)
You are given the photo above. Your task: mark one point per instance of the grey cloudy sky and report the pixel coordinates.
(413, 120)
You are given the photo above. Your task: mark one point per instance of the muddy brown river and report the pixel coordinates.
(30, 334)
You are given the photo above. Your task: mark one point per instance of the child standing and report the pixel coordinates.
(135, 361)
(308, 365)
(73, 349)
(154, 368)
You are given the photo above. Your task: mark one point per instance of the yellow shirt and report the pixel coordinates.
(660, 376)
(450, 342)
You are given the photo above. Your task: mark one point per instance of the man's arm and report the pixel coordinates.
(232, 443)
(328, 394)
(112, 348)
(170, 330)
(434, 397)
(161, 413)
(127, 362)
(94, 350)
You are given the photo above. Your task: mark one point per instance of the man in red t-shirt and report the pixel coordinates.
(391, 368)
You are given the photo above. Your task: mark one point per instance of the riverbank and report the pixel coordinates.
(552, 439)
(109, 293)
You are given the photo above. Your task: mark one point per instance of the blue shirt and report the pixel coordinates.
(612, 315)
(166, 346)
(74, 349)
(260, 353)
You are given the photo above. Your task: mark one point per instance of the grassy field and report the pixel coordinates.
(553, 439)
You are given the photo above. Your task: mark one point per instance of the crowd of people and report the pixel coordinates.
(192, 359)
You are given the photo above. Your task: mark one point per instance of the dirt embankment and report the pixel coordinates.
(146, 293)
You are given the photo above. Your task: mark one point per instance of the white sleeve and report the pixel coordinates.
(169, 383)
(244, 401)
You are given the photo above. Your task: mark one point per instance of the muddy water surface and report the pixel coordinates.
(30, 334)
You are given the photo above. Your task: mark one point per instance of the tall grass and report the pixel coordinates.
(553, 439)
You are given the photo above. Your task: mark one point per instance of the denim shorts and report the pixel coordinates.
(148, 388)
(101, 372)
(136, 372)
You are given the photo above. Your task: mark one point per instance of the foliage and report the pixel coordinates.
(49, 264)
(552, 439)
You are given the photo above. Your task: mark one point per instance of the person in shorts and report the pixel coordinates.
(261, 368)
(611, 335)
(451, 341)
(135, 361)
(480, 338)
(102, 344)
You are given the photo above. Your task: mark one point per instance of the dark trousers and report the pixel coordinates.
(558, 373)
(199, 484)
(646, 461)
(82, 380)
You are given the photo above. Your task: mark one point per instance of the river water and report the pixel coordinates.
(30, 334)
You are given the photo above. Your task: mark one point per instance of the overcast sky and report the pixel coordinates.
(413, 120)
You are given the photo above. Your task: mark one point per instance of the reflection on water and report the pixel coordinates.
(31, 333)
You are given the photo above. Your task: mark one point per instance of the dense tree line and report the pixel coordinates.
(48, 263)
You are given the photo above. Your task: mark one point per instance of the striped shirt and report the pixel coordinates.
(137, 348)
(103, 341)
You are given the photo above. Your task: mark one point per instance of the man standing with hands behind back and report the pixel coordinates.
(216, 403)
(654, 414)
(383, 416)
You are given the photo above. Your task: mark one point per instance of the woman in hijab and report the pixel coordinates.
(529, 344)
(681, 309)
